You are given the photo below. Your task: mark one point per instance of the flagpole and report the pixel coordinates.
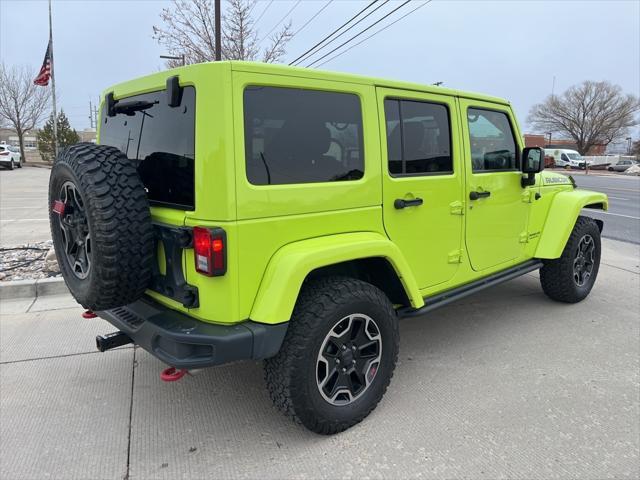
(53, 87)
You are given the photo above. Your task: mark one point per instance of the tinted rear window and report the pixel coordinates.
(162, 140)
(302, 136)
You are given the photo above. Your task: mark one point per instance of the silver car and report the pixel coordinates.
(621, 166)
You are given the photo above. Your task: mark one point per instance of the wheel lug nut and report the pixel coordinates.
(344, 347)
(353, 362)
(338, 361)
(344, 370)
(353, 347)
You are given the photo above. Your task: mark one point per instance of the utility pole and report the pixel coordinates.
(90, 114)
(218, 33)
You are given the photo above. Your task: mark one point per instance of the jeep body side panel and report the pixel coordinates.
(271, 216)
(564, 210)
(292, 263)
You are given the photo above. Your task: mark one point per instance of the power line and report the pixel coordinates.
(332, 33)
(345, 31)
(255, 2)
(360, 33)
(375, 33)
(282, 19)
(311, 19)
(264, 11)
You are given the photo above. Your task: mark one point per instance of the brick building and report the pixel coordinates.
(538, 140)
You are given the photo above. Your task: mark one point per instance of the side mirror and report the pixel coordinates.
(532, 163)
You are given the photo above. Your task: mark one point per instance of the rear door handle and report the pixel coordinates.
(400, 203)
(477, 195)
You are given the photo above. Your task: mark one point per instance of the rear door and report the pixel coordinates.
(498, 206)
(422, 181)
(160, 140)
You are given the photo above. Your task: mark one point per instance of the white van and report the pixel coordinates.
(565, 158)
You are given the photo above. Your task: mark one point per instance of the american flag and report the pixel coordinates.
(45, 72)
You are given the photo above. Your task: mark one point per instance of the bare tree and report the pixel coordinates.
(188, 29)
(592, 113)
(22, 104)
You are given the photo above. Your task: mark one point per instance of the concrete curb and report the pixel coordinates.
(32, 288)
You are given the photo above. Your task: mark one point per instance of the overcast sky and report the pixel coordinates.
(509, 48)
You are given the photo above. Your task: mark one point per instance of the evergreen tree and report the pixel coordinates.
(66, 136)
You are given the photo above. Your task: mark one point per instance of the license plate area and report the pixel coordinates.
(172, 282)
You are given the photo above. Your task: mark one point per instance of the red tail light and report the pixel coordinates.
(209, 251)
(4, 153)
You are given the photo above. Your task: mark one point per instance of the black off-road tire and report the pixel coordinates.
(119, 224)
(291, 375)
(557, 275)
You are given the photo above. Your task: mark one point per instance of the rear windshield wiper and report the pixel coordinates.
(131, 107)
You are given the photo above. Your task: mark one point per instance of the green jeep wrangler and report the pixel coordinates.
(235, 211)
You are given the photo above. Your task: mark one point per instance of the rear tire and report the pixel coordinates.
(104, 240)
(570, 278)
(338, 325)
(11, 165)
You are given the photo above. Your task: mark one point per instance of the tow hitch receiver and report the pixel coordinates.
(112, 340)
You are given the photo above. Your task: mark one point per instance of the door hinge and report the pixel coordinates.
(527, 196)
(457, 208)
(524, 237)
(455, 256)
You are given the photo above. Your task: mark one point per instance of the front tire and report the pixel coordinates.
(338, 356)
(571, 277)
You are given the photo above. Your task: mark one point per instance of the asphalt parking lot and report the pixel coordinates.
(505, 384)
(23, 206)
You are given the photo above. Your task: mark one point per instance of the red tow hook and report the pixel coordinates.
(59, 207)
(88, 314)
(172, 374)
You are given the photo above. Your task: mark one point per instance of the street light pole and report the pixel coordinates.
(172, 57)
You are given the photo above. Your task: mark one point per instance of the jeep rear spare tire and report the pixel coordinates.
(101, 226)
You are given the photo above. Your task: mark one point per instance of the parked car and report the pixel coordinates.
(566, 158)
(10, 157)
(247, 211)
(622, 165)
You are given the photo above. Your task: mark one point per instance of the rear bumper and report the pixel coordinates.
(184, 342)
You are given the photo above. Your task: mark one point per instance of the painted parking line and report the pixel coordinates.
(25, 220)
(611, 213)
(618, 198)
(596, 188)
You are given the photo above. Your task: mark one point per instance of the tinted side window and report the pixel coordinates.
(418, 137)
(302, 136)
(493, 146)
(161, 140)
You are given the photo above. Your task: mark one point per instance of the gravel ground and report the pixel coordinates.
(28, 262)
